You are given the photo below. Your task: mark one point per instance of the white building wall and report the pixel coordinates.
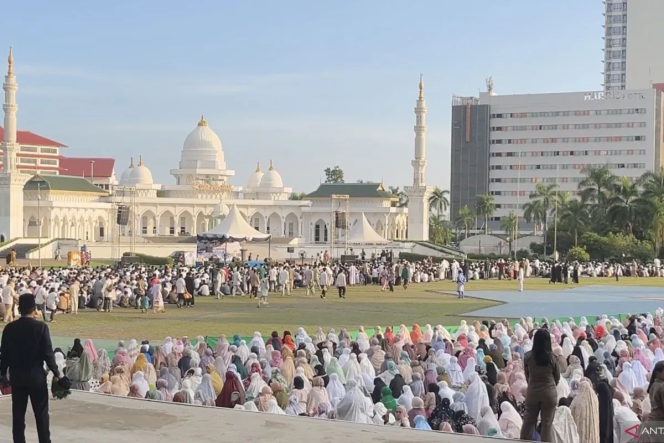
(645, 37)
(549, 138)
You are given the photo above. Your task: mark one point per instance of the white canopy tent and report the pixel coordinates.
(363, 233)
(233, 228)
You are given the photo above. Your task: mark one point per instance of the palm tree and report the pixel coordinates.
(533, 212)
(508, 224)
(484, 207)
(465, 219)
(575, 217)
(439, 200)
(596, 189)
(652, 198)
(438, 230)
(622, 204)
(401, 195)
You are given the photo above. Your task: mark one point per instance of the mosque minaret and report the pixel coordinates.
(419, 192)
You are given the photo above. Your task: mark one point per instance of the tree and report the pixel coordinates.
(334, 175)
(297, 196)
(533, 212)
(439, 233)
(652, 201)
(508, 224)
(439, 200)
(403, 198)
(484, 206)
(622, 204)
(596, 189)
(547, 196)
(575, 218)
(578, 254)
(464, 219)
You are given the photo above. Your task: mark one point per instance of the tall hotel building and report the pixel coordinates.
(633, 38)
(505, 145)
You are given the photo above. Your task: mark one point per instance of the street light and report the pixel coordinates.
(39, 223)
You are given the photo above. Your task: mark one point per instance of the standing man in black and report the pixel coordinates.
(26, 345)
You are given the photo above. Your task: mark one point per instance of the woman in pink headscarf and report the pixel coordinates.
(519, 386)
(641, 357)
(89, 348)
(464, 356)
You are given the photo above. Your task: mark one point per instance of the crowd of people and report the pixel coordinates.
(548, 381)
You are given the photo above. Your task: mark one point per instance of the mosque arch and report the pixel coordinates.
(80, 228)
(291, 226)
(56, 226)
(185, 223)
(201, 222)
(147, 223)
(320, 231)
(257, 221)
(274, 225)
(167, 223)
(101, 233)
(380, 228)
(64, 227)
(33, 229)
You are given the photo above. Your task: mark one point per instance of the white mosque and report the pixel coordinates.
(55, 207)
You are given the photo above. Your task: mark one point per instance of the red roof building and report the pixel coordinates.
(28, 138)
(84, 167)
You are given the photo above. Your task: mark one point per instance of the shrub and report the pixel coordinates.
(577, 253)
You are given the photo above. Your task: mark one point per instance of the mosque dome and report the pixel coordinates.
(127, 172)
(140, 175)
(220, 210)
(272, 179)
(256, 177)
(202, 149)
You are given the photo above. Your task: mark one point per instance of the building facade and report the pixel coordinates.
(548, 138)
(633, 36)
(80, 198)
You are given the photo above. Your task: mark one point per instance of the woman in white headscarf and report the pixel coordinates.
(205, 394)
(366, 366)
(300, 336)
(463, 329)
(133, 350)
(167, 347)
(406, 398)
(353, 406)
(476, 396)
(273, 407)
(256, 385)
(628, 378)
(294, 407)
(563, 429)
(567, 346)
(455, 372)
(623, 418)
(335, 390)
(389, 373)
(139, 380)
(444, 391)
(640, 374)
(196, 379)
(510, 421)
(470, 368)
(317, 396)
(250, 406)
(258, 342)
(585, 410)
(344, 357)
(243, 351)
(352, 368)
(362, 340)
(487, 422)
(187, 387)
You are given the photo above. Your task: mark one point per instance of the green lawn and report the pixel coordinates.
(367, 306)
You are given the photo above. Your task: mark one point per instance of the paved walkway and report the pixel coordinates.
(574, 302)
(87, 417)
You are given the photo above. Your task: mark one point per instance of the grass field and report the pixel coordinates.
(364, 305)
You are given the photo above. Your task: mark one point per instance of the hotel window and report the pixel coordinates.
(29, 149)
(49, 150)
(27, 161)
(48, 162)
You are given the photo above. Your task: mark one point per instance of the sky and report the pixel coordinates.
(307, 84)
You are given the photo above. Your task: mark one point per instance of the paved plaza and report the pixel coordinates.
(573, 302)
(86, 417)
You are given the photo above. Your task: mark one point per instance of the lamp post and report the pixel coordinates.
(92, 172)
(39, 223)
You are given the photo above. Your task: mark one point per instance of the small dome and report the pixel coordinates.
(256, 177)
(202, 149)
(140, 175)
(127, 172)
(220, 210)
(272, 179)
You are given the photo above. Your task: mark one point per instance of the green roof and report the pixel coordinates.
(354, 190)
(62, 183)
